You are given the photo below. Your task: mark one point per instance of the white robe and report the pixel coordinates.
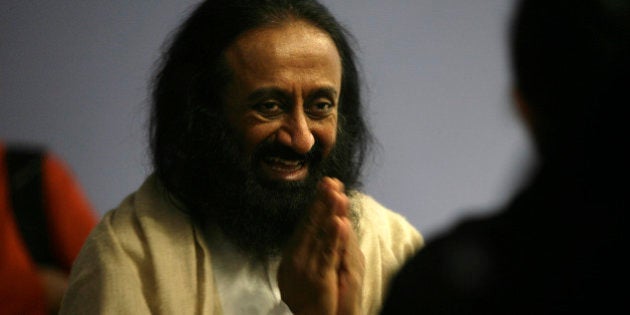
(146, 257)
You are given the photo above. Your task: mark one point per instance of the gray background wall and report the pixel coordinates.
(74, 76)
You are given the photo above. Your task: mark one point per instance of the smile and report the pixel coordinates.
(282, 165)
(288, 170)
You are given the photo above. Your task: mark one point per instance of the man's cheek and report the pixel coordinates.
(329, 141)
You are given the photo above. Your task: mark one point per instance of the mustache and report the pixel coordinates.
(276, 150)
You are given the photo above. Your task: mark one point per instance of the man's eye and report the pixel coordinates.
(268, 108)
(320, 109)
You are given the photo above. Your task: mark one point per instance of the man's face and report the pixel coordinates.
(282, 101)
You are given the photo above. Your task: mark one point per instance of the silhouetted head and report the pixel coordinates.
(209, 149)
(571, 63)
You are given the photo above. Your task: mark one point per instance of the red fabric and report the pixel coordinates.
(70, 216)
(70, 219)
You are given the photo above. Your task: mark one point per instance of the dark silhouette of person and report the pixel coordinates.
(558, 247)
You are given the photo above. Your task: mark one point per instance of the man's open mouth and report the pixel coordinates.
(279, 169)
(281, 165)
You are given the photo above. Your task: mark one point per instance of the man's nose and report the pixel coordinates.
(296, 133)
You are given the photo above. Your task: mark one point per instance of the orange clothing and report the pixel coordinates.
(70, 218)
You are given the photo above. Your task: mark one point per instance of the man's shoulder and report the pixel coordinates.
(143, 245)
(391, 230)
(143, 216)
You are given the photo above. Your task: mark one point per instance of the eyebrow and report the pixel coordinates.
(274, 92)
(268, 92)
(324, 92)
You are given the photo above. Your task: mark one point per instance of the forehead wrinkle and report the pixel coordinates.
(296, 58)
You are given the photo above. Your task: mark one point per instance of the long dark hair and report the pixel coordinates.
(188, 87)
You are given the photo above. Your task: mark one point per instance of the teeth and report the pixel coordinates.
(288, 163)
(285, 168)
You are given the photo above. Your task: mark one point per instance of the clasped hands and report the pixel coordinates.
(322, 268)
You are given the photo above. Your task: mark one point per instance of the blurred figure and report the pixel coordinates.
(44, 220)
(557, 248)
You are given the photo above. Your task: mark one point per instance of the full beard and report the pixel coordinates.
(256, 214)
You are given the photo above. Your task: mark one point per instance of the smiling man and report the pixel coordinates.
(258, 139)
